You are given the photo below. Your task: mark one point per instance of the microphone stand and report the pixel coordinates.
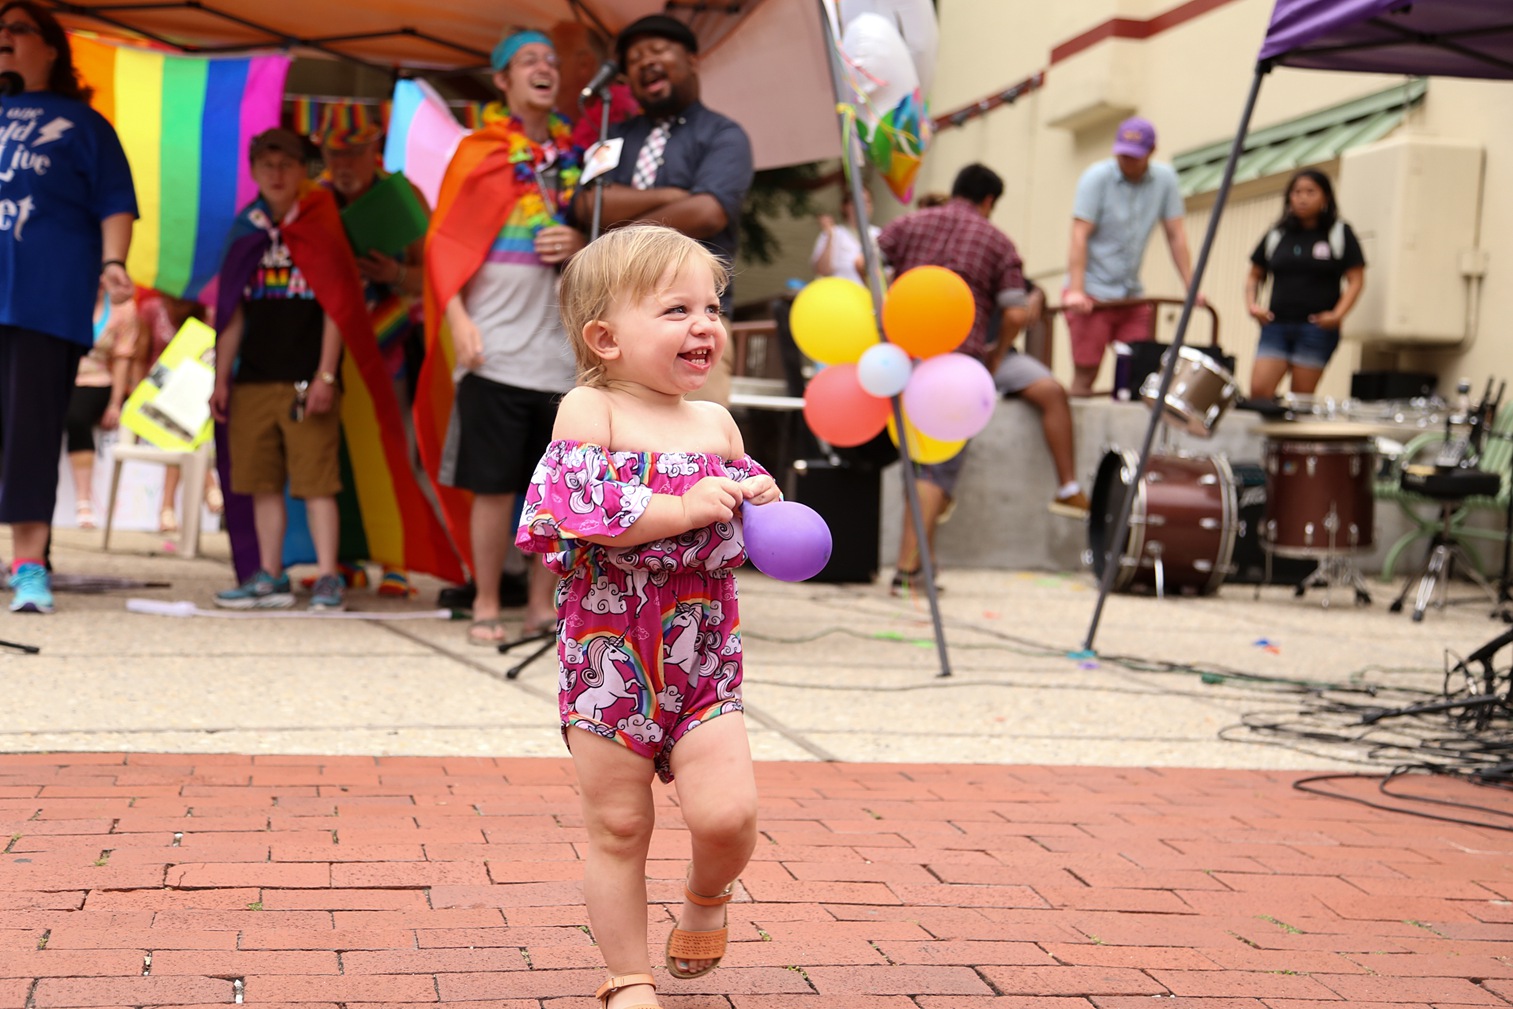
(604, 95)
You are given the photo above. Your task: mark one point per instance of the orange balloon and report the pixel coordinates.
(928, 311)
(840, 411)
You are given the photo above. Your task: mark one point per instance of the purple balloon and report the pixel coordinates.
(786, 540)
(950, 397)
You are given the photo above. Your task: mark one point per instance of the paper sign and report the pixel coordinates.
(600, 158)
(171, 406)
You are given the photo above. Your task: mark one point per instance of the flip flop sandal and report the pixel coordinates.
(710, 945)
(614, 984)
(494, 624)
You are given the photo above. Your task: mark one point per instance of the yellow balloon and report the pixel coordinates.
(923, 448)
(832, 321)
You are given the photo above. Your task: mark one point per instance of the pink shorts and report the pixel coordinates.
(647, 656)
(1092, 333)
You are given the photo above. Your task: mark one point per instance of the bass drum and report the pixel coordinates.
(1182, 524)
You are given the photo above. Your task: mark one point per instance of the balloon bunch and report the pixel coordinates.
(890, 77)
(928, 312)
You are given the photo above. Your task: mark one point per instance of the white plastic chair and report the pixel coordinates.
(193, 467)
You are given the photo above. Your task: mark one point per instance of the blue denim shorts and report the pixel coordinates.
(1300, 343)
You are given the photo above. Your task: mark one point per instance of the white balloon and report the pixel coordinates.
(884, 370)
(915, 22)
(882, 69)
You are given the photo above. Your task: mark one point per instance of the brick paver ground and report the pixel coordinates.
(317, 882)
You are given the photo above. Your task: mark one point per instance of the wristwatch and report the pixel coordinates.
(326, 377)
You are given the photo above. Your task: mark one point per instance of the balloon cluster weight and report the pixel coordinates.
(786, 540)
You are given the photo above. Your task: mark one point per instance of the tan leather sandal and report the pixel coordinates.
(710, 945)
(614, 984)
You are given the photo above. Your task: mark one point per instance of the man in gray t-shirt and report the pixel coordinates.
(1118, 202)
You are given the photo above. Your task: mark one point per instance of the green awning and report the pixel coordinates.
(1308, 140)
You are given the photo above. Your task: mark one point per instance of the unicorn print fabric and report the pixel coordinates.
(649, 642)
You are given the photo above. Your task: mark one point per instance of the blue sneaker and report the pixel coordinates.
(33, 587)
(260, 592)
(326, 594)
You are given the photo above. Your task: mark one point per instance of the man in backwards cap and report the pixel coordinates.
(683, 164)
(1119, 200)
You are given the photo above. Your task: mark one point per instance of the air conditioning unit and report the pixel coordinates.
(1413, 201)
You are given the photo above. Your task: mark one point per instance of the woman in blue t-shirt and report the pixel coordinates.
(66, 213)
(1307, 255)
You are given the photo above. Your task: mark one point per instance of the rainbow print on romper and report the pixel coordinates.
(186, 123)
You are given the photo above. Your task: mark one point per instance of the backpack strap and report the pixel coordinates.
(1273, 239)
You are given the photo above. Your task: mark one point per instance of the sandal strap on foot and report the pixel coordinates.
(619, 981)
(723, 897)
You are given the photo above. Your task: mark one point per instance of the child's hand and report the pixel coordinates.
(712, 499)
(760, 490)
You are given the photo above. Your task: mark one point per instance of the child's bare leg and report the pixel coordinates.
(717, 794)
(615, 785)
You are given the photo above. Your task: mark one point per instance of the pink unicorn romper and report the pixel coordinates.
(649, 637)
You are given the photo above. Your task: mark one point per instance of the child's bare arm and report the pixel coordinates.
(584, 416)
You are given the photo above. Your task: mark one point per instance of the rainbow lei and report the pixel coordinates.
(525, 154)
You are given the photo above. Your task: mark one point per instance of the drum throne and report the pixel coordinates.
(1450, 488)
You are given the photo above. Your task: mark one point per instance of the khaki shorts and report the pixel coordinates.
(269, 448)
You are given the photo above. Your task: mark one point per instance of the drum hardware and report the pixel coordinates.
(1321, 503)
(1477, 708)
(1201, 391)
(1181, 530)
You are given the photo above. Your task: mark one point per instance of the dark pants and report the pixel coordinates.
(36, 380)
(86, 406)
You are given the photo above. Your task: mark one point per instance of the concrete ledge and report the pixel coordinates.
(1001, 518)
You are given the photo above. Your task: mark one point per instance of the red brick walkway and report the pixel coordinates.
(316, 882)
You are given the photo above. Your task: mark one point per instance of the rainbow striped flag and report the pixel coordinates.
(186, 123)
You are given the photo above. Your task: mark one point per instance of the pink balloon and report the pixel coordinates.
(950, 397)
(840, 411)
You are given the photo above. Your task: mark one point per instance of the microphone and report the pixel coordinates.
(607, 72)
(11, 83)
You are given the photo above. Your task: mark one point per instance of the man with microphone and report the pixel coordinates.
(681, 164)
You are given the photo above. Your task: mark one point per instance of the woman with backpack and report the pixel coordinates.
(1307, 254)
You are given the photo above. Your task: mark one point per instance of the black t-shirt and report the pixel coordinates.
(283, 322)
(1305, 272)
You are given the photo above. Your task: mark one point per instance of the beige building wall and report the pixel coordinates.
(1191, 79)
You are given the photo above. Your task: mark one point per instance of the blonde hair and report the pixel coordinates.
(620, 267)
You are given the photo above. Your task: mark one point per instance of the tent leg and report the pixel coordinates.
(875, 284)
(1115, 542)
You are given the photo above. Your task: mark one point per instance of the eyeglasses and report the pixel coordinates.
(19, 29)
(532, 62)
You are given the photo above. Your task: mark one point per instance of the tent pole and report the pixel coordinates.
(1114, 556)
(853, 173)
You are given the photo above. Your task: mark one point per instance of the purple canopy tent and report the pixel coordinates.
(1447, 38)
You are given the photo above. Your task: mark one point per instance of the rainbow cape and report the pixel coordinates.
(186, 123)
(395, 522)
(488, 175)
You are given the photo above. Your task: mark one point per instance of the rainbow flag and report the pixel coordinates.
(185, 123)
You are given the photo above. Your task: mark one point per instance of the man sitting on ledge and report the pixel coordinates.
(959, 236)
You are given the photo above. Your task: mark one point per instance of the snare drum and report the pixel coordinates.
(1319, 494)
(1182, 524)
(1202, 390)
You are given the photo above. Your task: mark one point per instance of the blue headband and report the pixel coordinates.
(506, 50)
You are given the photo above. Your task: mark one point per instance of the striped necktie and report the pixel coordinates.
(650, 158)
